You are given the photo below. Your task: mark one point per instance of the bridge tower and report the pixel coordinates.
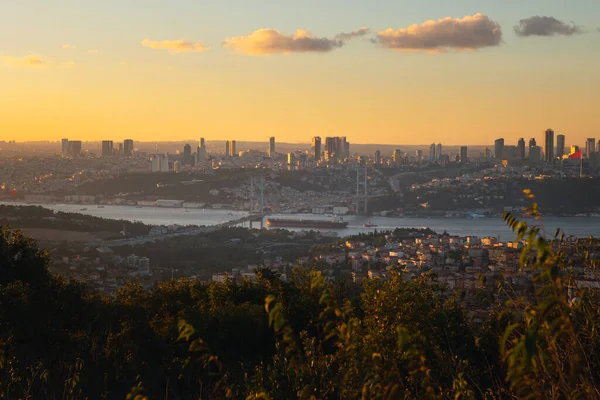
(362, 189)
(257, 183)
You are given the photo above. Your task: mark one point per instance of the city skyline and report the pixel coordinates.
(170, 71)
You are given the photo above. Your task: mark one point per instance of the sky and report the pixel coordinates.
(376, 71)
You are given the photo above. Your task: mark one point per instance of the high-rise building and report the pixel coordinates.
(74, 148)
(120, 149)
(499, 149)
(590, 147)
(316, 148)
(272, 147)
(397, 156)
(598, 146)
(227, 148)
(535, 153)
(201, 152)
(532, 142)
(232, 149)
(164, 163)
(521, 148)
(487, 153)
(291, 158)
(438, 151)
(65, 147)
(155, 163)
(107, 148)
(549, 146)
(187, 154)
(432, 152)
(463, 154)
(128, 148)
(560, 146)
(377, 157)
(419, 155)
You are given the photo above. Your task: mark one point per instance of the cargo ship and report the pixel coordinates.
(306, 223)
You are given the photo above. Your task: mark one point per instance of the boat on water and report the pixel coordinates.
(474, 215)
(100, 206)
(305, 223)
(370, 225)
(83, 209)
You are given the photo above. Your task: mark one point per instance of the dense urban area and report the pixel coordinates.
(169, 277)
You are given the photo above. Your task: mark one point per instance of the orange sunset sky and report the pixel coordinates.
(380, 71)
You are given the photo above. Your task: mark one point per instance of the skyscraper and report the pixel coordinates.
(74, 148)
(377, 157)
(560, 146)
(128, 148)
(432, 152)
(463, 154)
(598, 146)
(272, 147)
(201, 152)
(419, 155)
(590, 147)
(232, 149)
(499, 149)
(549, 146)
(535, 153)
(521, 148)
(187, 154)
(397, 156)
(227, 148)
(107, 148)
(65, 147)
(532, 142)
(316, 147)
(438, 151)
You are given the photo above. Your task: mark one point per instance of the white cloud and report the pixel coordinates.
(271, 41)
(32, 61)
(468, 33)
(175, 46)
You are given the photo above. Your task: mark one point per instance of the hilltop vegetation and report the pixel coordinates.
(306, 339)
(40, 217)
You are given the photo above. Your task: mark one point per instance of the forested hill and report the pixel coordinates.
(305, 339)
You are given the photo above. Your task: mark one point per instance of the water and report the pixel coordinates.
(575, 226)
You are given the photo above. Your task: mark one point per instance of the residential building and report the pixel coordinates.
(128, 148)
(590, 147)
(65, 147)
(107, 148)
(397, 156)
(432, 156)
(316, 148)
(463, 154)
(521, 148)
(549, 146)
(560, 146)
(187, 154)
(499, 149)
(74, 148)
(272, 147)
